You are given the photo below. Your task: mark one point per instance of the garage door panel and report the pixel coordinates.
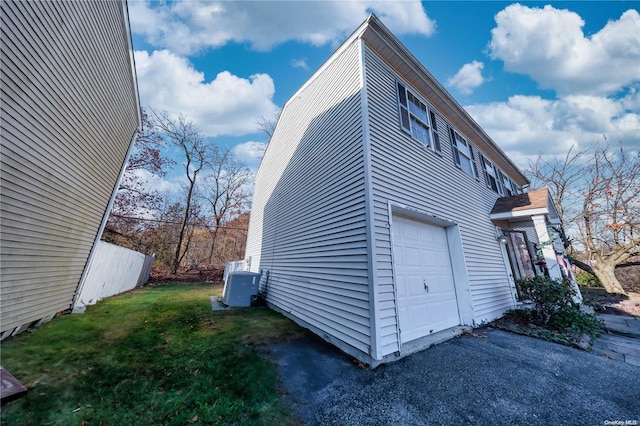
(412, 256)
(425, 287)
(442, 259)
(428, 259)
(414, 283)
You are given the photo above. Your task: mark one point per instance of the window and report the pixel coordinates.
(434, 133)
(414, 118)
(492, 176)
(498, 181)
(463, 153)
(508, 185)
(519, 254)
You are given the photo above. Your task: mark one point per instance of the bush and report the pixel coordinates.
(586, 279)
(548, 296)
(554, 307)
(576, 322)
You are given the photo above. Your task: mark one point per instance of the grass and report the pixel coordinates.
(157, 356)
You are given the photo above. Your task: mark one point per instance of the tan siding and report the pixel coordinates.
(69, 110)
(407, 173)
(308, 216)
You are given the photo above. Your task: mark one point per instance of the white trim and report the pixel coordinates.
(519, 213)
(508, 269)
(460, 275)
(393, 277)
(134, 73)
(357, 34)
(374, 313)
(413, 213)
(414, 66)
(408, 89)
(549, 253)
(456, 257)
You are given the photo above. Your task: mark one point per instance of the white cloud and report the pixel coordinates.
(187, 27)
(226, 105)
(300, 63)
(250, 153)
(468, 78)
(550, 46)
(526, 126)
(157, 183)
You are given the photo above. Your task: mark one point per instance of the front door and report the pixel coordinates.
(519, 255)
(422, 268)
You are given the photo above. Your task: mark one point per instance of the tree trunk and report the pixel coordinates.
(585, 267)
(214, 236)
(183, 225)
(607, 277)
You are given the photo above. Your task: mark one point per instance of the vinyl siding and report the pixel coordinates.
(404, 171)
(69, 110)
(307, 225)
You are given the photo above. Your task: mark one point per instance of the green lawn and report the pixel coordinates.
(157, 355)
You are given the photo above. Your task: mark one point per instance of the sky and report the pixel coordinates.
(539, 77)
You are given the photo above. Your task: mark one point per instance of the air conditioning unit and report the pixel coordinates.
(240, 288)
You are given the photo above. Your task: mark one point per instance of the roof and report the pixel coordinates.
(534, 202)
(380, 39)
(535, 199)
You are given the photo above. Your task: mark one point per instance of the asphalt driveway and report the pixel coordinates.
(498, 380)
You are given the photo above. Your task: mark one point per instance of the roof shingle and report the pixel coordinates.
(534, 199)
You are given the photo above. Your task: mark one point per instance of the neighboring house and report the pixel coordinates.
(69, 111)
(372, 212)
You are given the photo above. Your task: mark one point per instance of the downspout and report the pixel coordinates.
(123, 168)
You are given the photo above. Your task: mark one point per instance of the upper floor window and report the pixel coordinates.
(496, 180)
(434, 132)
(463, 153)
(491, 175)
(414, 116)
(509, 186)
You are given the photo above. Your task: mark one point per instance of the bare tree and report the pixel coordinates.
(268, 125)
(224, 191)
(135, 196)
(597, 193)
(184, 135)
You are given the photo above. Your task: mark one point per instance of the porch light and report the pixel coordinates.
(502, 239)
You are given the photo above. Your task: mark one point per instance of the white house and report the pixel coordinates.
(373, 219)
(69, 111)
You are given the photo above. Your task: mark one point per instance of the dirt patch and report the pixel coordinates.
(629, 277)
(616, 304)
(576, 340)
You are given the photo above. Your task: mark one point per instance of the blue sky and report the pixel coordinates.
(537, 76)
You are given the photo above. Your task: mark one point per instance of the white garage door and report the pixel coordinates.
(422, 267)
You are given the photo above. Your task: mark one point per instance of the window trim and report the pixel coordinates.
(507, 180)
(456, 153)
(435, 134)
(494, 184)
(405, 115)
(501, 179)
